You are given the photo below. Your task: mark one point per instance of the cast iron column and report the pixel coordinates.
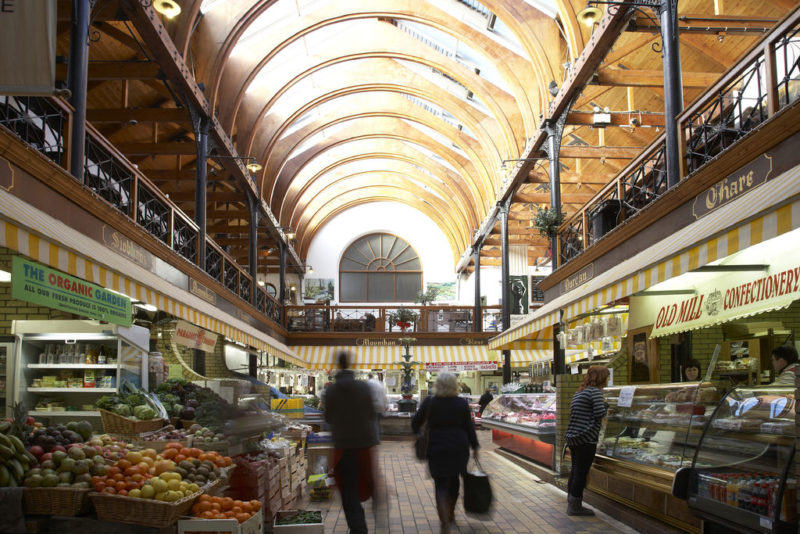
(253, 252)
(559, 364)
(673, 86)
(553, 148)
(77, 79)
(477, 321)
(282, 275)
(201, 186)
(503, 212)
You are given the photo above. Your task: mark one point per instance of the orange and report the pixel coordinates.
(237, 510)
(207, 515)
(118, 477)
(227, 503)
(204, 497)
(110, 490)
(172, 445)
(241, 518)
(255, 505)
(216, 506)
(123, 464)
(113, 470)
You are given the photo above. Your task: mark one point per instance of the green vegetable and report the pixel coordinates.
(122, 409)
(300, 517)
(144, 412)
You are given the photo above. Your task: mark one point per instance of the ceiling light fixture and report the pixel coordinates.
(168, 8)
(590, 16)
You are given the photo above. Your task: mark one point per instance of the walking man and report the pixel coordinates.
(350, 412)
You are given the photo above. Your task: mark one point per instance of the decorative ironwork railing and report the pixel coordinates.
(40, 122)
(765, 81)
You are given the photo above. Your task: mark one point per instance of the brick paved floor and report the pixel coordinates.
(523, 503)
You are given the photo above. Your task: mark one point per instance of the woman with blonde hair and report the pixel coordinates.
(586, 412)
(452, 433)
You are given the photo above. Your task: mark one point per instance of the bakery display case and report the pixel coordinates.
(741, 478)
(656, 425)
(524, 423)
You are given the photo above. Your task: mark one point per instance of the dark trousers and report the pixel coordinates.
(348, 483)
(446, 489)
(582, 458)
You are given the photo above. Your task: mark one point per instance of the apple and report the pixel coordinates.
(37, 451)
(58, 448)
(30, 421)
(46, 456)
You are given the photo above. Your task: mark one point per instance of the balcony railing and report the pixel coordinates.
(43, 123)
(357, 319)
(761, 84)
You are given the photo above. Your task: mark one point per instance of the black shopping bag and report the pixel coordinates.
(477, 491)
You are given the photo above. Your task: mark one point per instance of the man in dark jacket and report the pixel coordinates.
(485, 399)
(349, 412)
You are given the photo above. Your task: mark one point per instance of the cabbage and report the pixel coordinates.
(144, 412)
(122, 409)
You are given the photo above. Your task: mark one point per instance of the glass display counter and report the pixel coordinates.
(742, 475)
(649, 432)
(524, 423)
(657, 425)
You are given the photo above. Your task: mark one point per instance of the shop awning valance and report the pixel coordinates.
(24, 231)
(766, 212)
(388, 356)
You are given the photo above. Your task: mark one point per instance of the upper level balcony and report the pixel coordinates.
(758, 91)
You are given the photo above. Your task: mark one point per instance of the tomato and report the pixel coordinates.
(124, 493)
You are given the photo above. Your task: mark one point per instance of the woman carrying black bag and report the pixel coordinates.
(451, 434)
(586, 413)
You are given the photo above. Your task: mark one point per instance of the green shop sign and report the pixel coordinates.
(43, 286)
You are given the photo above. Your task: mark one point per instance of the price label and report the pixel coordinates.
(626, 396)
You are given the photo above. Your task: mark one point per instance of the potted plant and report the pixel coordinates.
(428, 296)
(547, 221)
(402, 317)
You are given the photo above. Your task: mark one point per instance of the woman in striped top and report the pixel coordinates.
(586, 413)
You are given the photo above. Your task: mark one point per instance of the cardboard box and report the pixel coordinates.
(254, 525)
(307, 528)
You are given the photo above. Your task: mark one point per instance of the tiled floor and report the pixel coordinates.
(523, 503)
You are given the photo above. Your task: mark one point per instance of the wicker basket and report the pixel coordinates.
(143, 512)
(116, 424)
(187, 423)
(55, 501)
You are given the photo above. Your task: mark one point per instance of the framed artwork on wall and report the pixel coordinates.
(318, 289)
(643, 357)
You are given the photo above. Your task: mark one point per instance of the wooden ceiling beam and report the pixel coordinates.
(594, 177)
(188, 196)
(620, 118)
(125, 115)
(148, 149)
(599, 152)
(652, 78)
(116, 70)
(118, 35)
(544, 198)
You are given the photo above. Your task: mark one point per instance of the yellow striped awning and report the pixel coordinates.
(389, 356)
(538, 326)
(769, 211)
(70, 255)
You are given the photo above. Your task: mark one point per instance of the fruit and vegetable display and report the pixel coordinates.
(208, 507)
(199, 404)
(50, 438)
(74, 467)
(133, 403)
(168, 433)
(201, 434)
(300, 517)
(14, 459)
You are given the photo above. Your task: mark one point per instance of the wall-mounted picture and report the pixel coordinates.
(318, 289)
(447, 290)
(519, 294)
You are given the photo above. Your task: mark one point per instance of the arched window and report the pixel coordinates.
(379, 268)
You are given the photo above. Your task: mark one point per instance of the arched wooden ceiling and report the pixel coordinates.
(416, 101)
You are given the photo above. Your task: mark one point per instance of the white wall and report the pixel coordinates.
(415, 227)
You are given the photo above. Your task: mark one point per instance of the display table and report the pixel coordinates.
(396, 424)
(523, 423)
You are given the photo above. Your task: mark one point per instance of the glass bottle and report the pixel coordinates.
(101, 357)
(43, 355)
(80, 356)
(51, 356)
(60, 356)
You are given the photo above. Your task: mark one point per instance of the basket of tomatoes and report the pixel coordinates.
(223, 514)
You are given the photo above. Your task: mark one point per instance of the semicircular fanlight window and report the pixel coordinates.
(380, 268)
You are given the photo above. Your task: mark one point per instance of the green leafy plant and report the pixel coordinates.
(428, 296)
(403, 317)
(547, 221)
